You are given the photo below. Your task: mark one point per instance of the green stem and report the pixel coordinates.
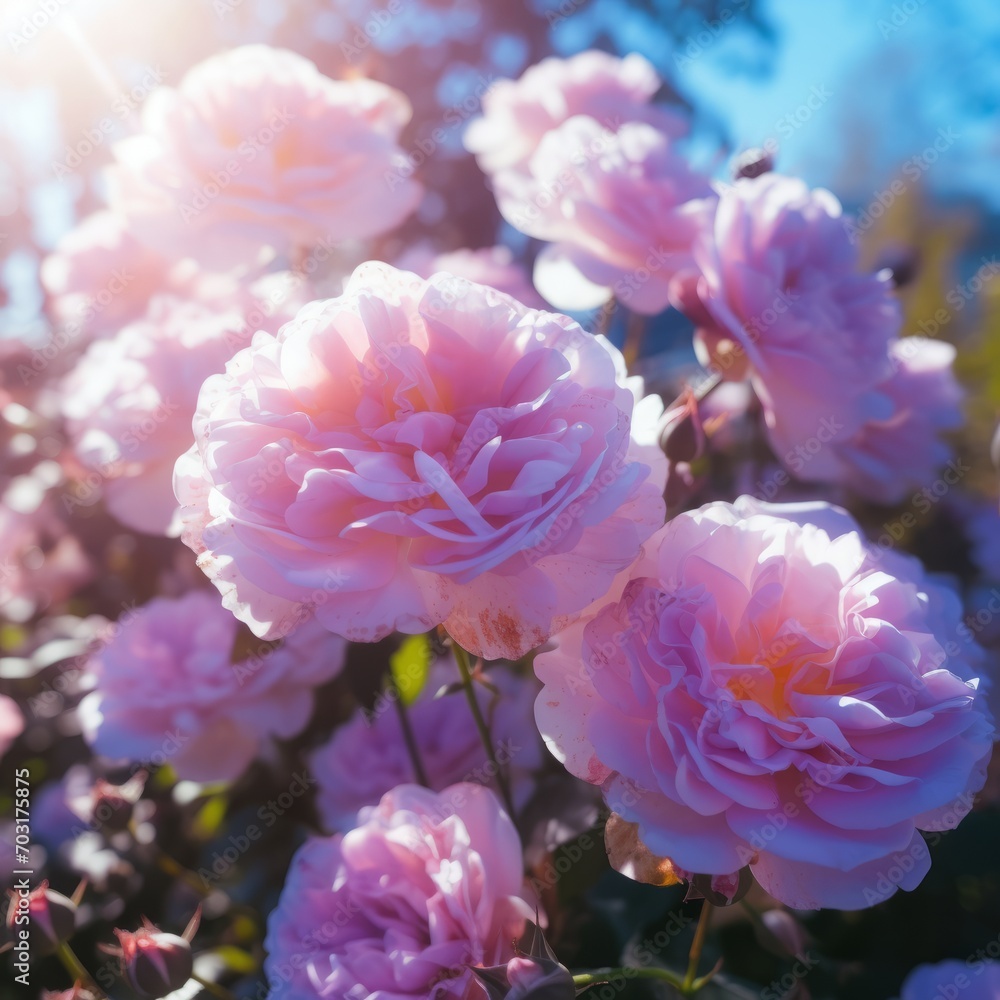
(694, 956)
(409, 738)
(462, 659)
(584, 979)
(76, 969)
(214, 988)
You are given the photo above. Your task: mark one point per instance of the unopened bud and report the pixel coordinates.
(154, 963)
(112, 805)
(51, 916)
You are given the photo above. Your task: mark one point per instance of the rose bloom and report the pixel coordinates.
(888, 458)
(621, 208)
(772, 691)
(257, 149)
(518, 113)
(129, 401)
(493, 266)
(100, 277)
(165, 688)
(971, 979)
(425, 885)
(420, 452)
(778, 299)
(367, 755)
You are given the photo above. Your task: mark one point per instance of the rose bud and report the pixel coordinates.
(112, 805)
(536, 975)
(154, 962)
(539, 979)
(752, 163)
(51, 916)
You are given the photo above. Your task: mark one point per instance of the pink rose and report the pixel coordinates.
(771, 691)
(889, 457)
(100, 277)
(426, 885)
(518, 113)
(258, 149)
(779, 300)
(420, 452)
(130, 400)
(367, 755)
(621, 208)
(165, 688)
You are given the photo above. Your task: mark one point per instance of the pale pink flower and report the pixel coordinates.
(415, 453)
(425, 885)
(518, 113)
(100, 277)
(771, 691)
(367, 755)
(256, 150)
(779, 300)
(130, 400)
(165, 688)
(493, 266)
(621, 209)
(889, 457)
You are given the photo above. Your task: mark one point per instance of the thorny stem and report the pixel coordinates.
(462, 659)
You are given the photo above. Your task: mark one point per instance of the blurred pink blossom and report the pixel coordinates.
(165, 689)
(258, 151)
(367, 755)
(518, 113)
(621, 209)
(130, 400)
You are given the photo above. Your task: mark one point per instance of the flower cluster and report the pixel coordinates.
(293, 360)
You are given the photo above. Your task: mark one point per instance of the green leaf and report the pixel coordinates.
(410, 665)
